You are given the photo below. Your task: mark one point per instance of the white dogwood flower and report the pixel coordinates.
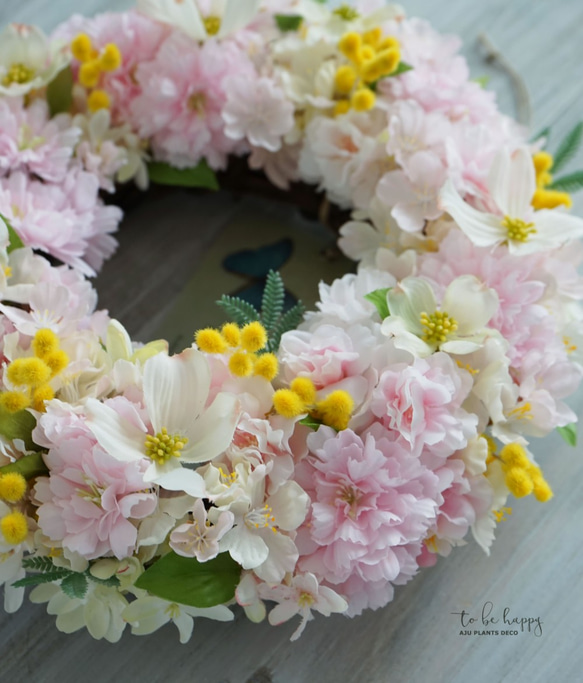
(419, 326)
(27, 60)
(216, 18)
(512, 185)
(176, 390)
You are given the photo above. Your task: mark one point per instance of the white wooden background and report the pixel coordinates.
(536, 566)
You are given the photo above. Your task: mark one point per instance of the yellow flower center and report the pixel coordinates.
(437, 327)
(212, 25)
(518, 230)
(569, 346)
(521, 412)
(261, 519)
(173, 611)
(18, 73)
(164, 446)
(196, 102)
(348, 494)
(306, 600)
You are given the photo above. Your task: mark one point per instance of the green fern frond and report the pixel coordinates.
(288, 321)
(38, 564)
(240, 311)
(47, 577)
(568, 147)
(75, 585)
(572, 182)
(272, 301)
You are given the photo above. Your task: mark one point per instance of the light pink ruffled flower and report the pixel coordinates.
(68, 221)
(183, 96)
(371, 507)
(347, 156)
(256, 110)
(33, 143)
(327, 355)
(89, 499)
(421, 402)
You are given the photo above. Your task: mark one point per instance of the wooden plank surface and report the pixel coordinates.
(536, 566)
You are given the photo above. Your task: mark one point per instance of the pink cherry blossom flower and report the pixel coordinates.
(422, 403)
(183, 96)
(413, 194)
(89, 498)
(68, 221)
(256, 110)
(33, 143)
(369, 499)
(301, 597)
(199, 539)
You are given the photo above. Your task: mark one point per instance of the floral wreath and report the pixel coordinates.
(288, 462)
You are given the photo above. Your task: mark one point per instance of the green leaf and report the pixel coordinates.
(18, 426)
(544, 133)
(75, 585)
(569, 433)
(568, 147)
(197, 176)
(242, 312)
(311, 422)
(379, 299)
(288, 321)
(60, 92)
(272, 301)
(568, 183)
(36, 579)
(14, 240)
(30, 466)
(187, 581)
(401, 69)
(39, 564)
(482, 81)
(288, 22)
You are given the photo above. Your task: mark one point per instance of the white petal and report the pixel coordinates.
(182, 479)
(212, 433)
(411, 297)
(484, 229)
(290, 506)
(512, 181)
(470, 302)
(557, 226)
(238, 13)
(245, 547)
(183, 15)
(405, 340)
(283, 612)
(116, 435)
(460, 346)
(185, 624)
(119, 344)
(176, 389)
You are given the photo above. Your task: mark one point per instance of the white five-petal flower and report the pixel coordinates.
(223, 16)
(458, 326)
(176, 390)
(512, 184)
